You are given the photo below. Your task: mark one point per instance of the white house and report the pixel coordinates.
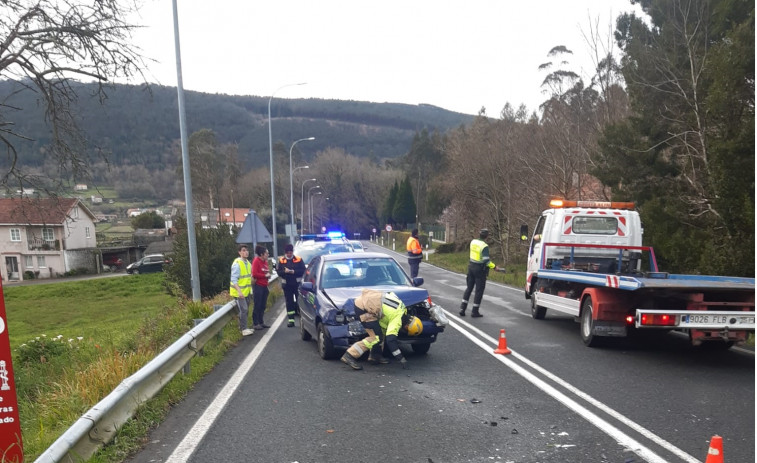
(45, 236)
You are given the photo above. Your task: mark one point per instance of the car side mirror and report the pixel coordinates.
(306, 286)
(417, 281)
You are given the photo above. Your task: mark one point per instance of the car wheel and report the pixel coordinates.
(304, 335)
(135, 271)
(537, 312)
(587, 324)
(421, 349)
(325, 347)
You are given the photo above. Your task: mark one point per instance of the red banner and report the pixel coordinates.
(11, 449)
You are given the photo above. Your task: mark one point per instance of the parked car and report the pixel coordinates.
(149, 264)
(310, 246)
(113, 261)
(332, 282)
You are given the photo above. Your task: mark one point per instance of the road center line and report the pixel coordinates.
(592, 418)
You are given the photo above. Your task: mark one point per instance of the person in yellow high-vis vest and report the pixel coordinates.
(382, 315)
(241, 286)
(479, 265)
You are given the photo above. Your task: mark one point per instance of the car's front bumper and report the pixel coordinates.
(343, 336)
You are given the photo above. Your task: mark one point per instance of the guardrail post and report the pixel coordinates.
(216, 308)
(197, 321)
(394, 244)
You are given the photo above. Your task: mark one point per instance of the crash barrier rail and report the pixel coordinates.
(101, 423)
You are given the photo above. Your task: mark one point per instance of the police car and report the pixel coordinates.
(310, 246)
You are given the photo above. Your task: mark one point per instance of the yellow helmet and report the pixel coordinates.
(414, 326)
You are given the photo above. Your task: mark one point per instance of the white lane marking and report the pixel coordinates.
(601, 424)
(189, 444)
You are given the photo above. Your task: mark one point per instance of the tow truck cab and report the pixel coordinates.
(584, 222)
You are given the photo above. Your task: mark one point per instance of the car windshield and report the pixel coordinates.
(363, 272)
(357, 245)
(308, 249)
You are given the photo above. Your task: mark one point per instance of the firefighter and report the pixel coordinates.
(290, 269)
(379, 313)
(414, 253)
(479, 265)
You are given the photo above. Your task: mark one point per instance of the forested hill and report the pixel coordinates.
(139, 126)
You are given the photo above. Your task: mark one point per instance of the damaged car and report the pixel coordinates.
(332, 282)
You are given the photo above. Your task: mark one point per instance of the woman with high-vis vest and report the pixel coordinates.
(241, 286)
(414, 253)
(478, 269)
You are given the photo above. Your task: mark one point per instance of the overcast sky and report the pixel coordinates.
(459, 55)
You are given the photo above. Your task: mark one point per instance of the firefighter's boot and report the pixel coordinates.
(463, 306)
(475, 313)
(375, 357)
(377, 360)
(351, 361)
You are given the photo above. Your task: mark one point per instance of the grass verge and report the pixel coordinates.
(74, 342)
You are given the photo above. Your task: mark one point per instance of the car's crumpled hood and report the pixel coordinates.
(407, 294)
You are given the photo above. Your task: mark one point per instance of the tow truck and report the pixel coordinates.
(586, 259)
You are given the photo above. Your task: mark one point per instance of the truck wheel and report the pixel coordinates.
(325, 347)
(587, 324)
(716, 345)
(537, 312)
(421, 349)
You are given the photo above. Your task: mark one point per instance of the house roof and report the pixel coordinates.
(38, 211)
(228, 215)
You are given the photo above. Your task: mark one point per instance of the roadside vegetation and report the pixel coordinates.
(74, 342)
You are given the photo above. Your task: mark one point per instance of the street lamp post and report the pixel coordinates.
(310, 227)
(270, 156)
(310, 200)
(302, 204)
(291, 189)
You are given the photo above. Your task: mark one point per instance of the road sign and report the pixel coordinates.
(374, 231)
(388, 228)
(10, 426)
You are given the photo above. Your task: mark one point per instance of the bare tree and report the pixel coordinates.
(46, 46)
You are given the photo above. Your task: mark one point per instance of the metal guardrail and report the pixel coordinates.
(100, 424)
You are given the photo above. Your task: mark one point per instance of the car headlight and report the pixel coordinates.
(356, 328)
(340, 318)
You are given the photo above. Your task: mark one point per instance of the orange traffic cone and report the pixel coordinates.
(715, 453)
(502, 349)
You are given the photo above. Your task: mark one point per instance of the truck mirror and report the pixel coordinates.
(524, 233)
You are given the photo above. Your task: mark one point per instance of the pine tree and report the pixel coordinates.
(387, 212)
(404, 206)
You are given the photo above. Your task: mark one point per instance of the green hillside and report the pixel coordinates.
(137, 125)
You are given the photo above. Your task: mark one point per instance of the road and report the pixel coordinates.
(552, 400)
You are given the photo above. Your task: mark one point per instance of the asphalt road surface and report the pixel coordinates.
(552, 400)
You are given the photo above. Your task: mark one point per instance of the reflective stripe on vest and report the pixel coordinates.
(245, 279)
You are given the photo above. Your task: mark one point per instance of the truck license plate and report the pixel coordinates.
(707, 319)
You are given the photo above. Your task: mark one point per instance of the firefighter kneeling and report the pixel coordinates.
(379, 313)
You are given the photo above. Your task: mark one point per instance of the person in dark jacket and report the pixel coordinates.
(290, 269)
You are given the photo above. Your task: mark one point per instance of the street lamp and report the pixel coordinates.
(270, 156)
(302, 204)
(291, 189)
(310, 228)
(310, 200)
